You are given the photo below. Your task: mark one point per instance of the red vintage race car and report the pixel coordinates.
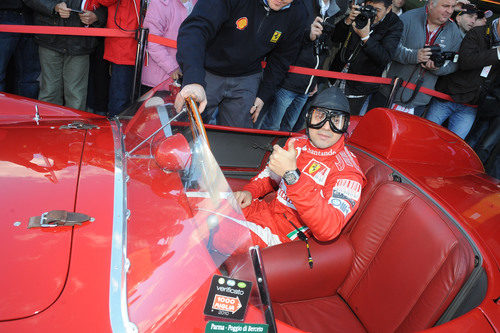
(116, 225)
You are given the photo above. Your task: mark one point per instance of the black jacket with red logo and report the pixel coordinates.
(233, 37)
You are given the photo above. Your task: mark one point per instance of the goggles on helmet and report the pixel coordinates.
(338, 120)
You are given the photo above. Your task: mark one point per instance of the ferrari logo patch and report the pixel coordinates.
(314, 167)
(241, 23)
(317, 171)
(276, 36)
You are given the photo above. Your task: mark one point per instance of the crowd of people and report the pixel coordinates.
(452, 47)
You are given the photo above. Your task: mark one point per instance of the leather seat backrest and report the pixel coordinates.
(409, 261)
(375, 173)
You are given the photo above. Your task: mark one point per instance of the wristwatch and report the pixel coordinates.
(291, 176)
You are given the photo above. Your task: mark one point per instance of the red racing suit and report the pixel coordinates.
(320, 203)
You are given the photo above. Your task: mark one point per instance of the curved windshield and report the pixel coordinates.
(190, 262)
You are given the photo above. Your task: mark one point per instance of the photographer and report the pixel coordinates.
(284, 111)
(414, 60)
(369, 37)
(478, 60)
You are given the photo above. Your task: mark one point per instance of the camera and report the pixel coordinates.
(438, 56)
(367, 12)
(320, 44)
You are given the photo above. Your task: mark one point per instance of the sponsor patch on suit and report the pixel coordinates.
(317, 171)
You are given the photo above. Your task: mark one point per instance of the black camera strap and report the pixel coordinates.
(354, 53)
(341, 83)
(418, 84)
(430, 38)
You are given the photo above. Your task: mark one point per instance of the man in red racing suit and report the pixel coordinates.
(318, 180)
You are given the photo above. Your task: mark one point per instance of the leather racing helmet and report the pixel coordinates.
(329, 105)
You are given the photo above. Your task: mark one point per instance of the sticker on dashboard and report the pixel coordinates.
(227, 298)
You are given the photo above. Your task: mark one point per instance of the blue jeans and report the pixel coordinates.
(284, 111)
(120, 88)
(24, 52)
(461, 117)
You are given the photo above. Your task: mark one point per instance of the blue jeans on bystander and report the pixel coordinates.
(284, 111)
(461, 116)
(120, 88)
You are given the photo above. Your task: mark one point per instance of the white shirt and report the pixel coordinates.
(324, 7)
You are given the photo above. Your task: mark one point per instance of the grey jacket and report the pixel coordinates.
(405, 64)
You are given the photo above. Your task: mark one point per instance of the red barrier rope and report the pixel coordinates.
(106, 32)
(162, 41)
(338, 75)
(74, 31)
(365, 78)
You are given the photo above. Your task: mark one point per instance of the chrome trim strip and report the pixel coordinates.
(118, 306)
(165, 120)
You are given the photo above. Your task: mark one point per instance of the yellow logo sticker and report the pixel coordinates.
(242, 23)
(314, 167)
(276, 36)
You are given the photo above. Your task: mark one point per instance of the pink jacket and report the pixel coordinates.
(163, 18)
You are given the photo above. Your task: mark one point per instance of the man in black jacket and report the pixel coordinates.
(65, 59)
(478, 59)
(366, 51)
(284, 111)
(221, 46)
(20, 49)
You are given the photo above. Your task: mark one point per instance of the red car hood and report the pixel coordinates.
(39, 167)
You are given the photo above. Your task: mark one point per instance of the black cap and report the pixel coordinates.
(468, 9)
(331, 98)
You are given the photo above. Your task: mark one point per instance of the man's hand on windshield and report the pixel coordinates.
(316, 28)
(256, 108)
(282, 160)
(244, 198)
(196, 92)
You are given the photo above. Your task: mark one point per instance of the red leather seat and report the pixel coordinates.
(408, 263)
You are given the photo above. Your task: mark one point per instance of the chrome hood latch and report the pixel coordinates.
(58, 218)
(79, 125)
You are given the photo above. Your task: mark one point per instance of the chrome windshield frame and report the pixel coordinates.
(118, 305)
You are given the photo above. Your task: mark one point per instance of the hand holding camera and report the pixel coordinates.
(362, 16)
(432, 57)
(316, 28)
(323, 30)
(424, 54)
(352, 14)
